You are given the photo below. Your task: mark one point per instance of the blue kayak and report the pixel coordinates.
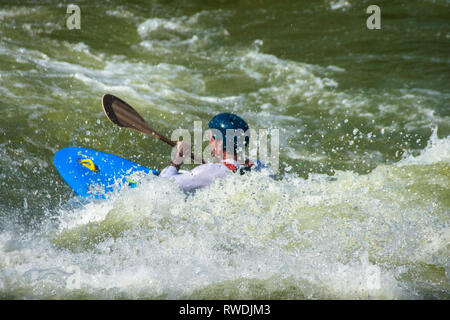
(92, 173)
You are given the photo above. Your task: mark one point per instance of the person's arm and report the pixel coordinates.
(176, 160)
(199, 177)
(169, 171)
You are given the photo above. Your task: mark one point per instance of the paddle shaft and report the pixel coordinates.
(149, 131)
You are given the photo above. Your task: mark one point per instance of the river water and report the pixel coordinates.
(360, 205)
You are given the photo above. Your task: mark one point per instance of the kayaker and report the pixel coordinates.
(203, 175)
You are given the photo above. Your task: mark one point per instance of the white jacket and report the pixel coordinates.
(203, 175)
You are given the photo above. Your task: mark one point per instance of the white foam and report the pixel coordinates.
(18, 11)
(332, 237)
(154, 24)
(437, 150)
(120, 12)
(340, 4)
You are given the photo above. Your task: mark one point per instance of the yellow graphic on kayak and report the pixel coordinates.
(88, 163)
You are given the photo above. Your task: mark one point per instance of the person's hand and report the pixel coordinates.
(179, 153)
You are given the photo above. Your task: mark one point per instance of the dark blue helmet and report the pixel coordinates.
(226, 121)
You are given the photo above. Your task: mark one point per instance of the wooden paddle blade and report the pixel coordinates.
(122, 114)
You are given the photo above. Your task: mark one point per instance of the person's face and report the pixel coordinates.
(216, 147)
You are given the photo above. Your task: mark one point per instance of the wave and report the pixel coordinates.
(382, 235)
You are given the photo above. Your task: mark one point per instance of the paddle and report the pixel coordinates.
(122, 114)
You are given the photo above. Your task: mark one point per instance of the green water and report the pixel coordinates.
(363, 182)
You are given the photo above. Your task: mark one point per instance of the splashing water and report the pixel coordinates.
(380, 235)
(360, 209)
